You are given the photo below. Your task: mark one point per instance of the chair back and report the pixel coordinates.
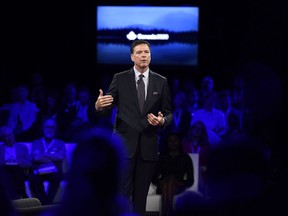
(195, 160)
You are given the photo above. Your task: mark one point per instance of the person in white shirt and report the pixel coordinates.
(15, 163)
(213, 118)
(23, 114)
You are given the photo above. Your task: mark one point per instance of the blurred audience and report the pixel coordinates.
(6, 206)
(49, 110)
(212, 117)
(190, 203)
(95, 178)
(67, 111)
(197, 142)
(238, 179)
(175, 86)
(15, 163)
(181, 118)
(237, 93)
(23, 114)
(48, 154)
(173, 173)
(233, 116)
(181, 115)
(193, 101)
(207, 86)
(85, 117)
(238, 183)
(38, 89)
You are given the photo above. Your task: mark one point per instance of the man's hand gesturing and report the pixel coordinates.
(103, 101)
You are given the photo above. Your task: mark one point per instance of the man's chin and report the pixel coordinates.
(144, 64)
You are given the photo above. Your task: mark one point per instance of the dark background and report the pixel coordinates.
(58, 39)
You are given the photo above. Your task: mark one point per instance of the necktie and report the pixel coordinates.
(141, 91)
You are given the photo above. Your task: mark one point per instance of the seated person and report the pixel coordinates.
(47, 154)
(23, 114)
(96, 172)
(197, 142)
(174, 172)
(15, 162)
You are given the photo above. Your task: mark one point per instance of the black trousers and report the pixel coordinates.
(37, 187)
(136, 181)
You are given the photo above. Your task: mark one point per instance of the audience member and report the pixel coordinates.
(181, 118)
(175, 86)
(233, 116)
(23, 114)
(212, 117)
(85, 117)
(47, 154)
(238, 183)
(266, 100)
(238, 179)
(15, 163)
(206, 87)
(6, 106)
(237, 93)
(38, 90)
(67, 111)
(95, 178)
(190, 203)
(193, 101)
(49, 110)
(197, 142)
(173, 173)
(181, 115)
(52, 104)
(85, 107)
(197, 139)
(188, 84)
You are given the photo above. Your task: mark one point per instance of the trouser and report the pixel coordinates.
(37, 186)
(136, 181)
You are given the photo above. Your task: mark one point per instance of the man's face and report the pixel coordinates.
(141, 56)
(49, 129)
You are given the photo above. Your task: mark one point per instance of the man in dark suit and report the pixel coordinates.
(139, 129)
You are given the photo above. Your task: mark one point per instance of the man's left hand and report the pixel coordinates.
(155, 120)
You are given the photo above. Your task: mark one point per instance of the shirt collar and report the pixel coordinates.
(137, 73)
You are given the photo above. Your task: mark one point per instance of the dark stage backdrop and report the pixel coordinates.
(59, 40)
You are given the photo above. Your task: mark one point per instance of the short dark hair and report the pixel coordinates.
(137, 42)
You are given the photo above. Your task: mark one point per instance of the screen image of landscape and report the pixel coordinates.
(172, 32)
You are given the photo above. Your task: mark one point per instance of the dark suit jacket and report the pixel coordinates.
(130, 123)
